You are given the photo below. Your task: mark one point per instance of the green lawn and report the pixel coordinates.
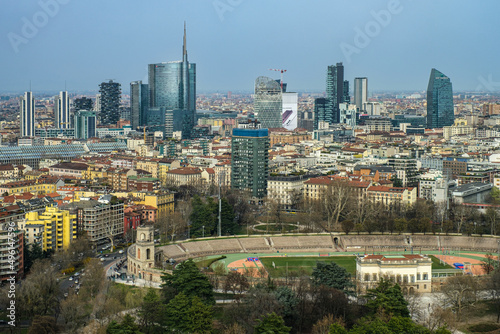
(437, 265)
(304, 265)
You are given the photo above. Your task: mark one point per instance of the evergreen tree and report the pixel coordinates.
(271, 324)
(332, 275)
(188, 279)
(387, 297)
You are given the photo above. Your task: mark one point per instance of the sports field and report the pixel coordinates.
(304, 265)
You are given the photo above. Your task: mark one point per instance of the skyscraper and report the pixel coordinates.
(334, 92)
(27, 108)
(172, 86)
(346, 98)
(83, 103)
(439, 101)
(61, 111)
(139, 103)
(85, 124)
(268, 102)
(249, 160)
(360, 92)
(110, 102)
(320, 112)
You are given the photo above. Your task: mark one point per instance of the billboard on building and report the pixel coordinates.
(289, 113)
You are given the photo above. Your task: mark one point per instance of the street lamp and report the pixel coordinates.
(203, 227)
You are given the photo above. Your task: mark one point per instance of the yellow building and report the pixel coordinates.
(149, 165)
(94, 172)
(163, 202)
(32, 186)
(83, 193)
(59, 227)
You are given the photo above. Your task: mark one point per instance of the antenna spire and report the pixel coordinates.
(184, 48)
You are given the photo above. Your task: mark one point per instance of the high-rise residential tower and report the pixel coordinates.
(27, 109)
(85, 124)
(172, 86)
(83, 103)
(360, 92)
(250, 160)
(268, 102)
(439, 101)
(335, 92)
(139, 103)
(110, 102)
(61, 111)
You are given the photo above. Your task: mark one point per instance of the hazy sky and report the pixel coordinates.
(393, 43)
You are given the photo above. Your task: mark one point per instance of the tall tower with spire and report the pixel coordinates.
(172, 88)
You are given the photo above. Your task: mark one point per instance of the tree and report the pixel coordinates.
(235, 282)
(492, 218)
(461, 292)
(332, 275)
(73, 311)
(151, 313)
(288, 300)
(495, 195)
(95, 278)
(489, 264)
(189, 315)
(347, 226)
(387, 298)
(32, 253)
(127, 326)
(494, 288)
(188, 279)
(336, 198)
(202, 217)
(43, 324)
(271, 323)
(39, 293)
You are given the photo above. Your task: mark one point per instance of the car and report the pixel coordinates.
(103, 259)
(121, 251)
(76, 281)
(71, 278)
(77, 274)
(65, 295)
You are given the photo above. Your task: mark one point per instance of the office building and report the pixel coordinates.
(268, 102)
(439, 101)
(109, 112)
(360, 92)
(346, 97)
(335, 92)
(249, 161)
(321, 112)
(172, 86)
(58, 226)
(83, 103)
(27, 115)
(85, 124)
(61, 111)
(139, 103)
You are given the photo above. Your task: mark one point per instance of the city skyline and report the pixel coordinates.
(372, 39)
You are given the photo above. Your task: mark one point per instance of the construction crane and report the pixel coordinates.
(281, 71)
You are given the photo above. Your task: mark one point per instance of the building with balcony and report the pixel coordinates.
(11, 263)
(59, 228)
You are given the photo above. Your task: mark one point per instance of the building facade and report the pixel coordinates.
(360, 92)
(85, 124)
(61, 111)
(250, 161)
(440, 111)
(27, 109)
(139, 103)
(268, 102)
(412, 272)
(109, 112)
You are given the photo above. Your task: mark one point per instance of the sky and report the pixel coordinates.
(395, 43)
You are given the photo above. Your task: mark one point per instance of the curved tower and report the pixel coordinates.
(268, 102)
(439, 101)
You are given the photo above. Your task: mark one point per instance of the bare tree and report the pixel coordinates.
(494, 288)
(461, 293)
(492, 218)
(337, 195)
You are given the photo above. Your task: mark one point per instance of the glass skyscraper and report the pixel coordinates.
(360, 92)
(268, 102)
(320, 111)
(61, 111)
(85, 124)
(439, 101)
(172, 86)
(27, 115)
(139, 103)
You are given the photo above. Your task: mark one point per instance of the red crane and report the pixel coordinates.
(282, 71)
